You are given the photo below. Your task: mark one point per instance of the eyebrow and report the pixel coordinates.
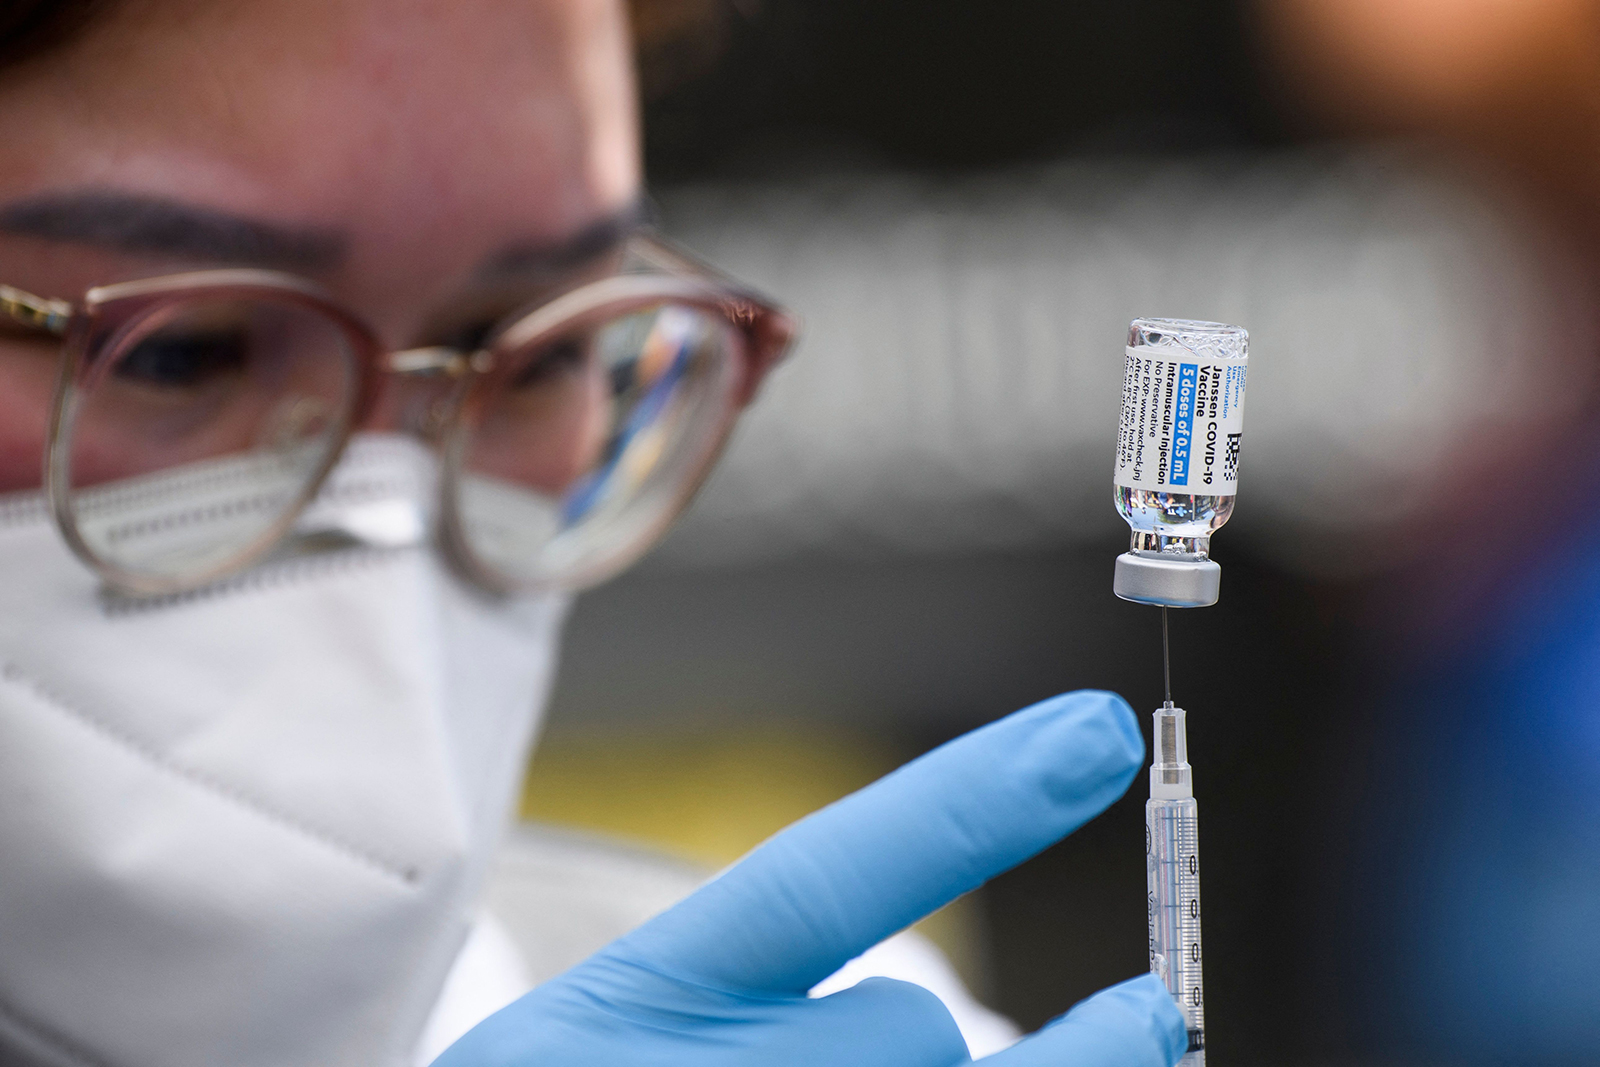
(560, 256)
(130, 222)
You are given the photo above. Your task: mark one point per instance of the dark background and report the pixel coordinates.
(952, 84)
(938, 645)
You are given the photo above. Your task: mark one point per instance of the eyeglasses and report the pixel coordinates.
(195, 416)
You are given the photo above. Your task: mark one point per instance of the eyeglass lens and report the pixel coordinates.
(587, 442)
(199, 430)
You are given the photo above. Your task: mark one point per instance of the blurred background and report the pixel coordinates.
(912, 533)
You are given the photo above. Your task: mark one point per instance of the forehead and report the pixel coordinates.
(429, 131)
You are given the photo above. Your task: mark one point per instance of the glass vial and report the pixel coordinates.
(1177, 457)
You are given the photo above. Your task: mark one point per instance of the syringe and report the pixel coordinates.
(1176, 472)
(1172, 868)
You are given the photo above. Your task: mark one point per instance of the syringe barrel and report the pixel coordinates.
(1172, 864)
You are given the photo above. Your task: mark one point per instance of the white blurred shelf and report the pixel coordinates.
(956, 387)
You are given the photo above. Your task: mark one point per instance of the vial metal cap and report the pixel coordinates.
(1166, 580)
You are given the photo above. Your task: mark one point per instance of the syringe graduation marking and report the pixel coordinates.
(1175, 953)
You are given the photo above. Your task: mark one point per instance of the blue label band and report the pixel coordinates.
(1183, 422)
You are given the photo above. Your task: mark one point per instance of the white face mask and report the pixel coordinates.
(247, 826)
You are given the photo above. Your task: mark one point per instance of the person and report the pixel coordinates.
(334, 357)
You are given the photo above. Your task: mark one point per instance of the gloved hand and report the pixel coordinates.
(720, 980)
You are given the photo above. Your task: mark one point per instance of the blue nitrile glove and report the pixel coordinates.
(720, 980)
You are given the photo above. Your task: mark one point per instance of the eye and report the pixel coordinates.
(623, 374)
(555, 359)
(186, 358)
(467, 337)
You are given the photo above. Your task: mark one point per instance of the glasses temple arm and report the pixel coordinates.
(35, 312)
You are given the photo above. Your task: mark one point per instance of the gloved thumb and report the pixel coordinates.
(1133, 1024)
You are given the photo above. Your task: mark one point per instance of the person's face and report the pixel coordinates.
(420, 158)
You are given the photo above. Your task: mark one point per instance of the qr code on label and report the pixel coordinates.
(1230, 458)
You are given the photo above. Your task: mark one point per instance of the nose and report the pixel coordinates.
(419, 389)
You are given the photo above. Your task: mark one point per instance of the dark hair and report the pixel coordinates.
(31, 27)
(675, 41)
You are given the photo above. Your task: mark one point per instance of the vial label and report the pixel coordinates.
(1182, 422)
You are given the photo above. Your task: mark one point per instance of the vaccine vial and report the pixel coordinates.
(1177, 456)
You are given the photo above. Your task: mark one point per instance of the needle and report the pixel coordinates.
(1166, 656)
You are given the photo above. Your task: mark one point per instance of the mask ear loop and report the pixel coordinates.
(106, 320)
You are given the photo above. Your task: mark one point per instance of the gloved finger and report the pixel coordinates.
(622, 1017)
(838, 882)
(879, 1021)
(1134, 1024)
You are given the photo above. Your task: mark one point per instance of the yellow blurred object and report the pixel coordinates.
(707, 798)
(712, 797)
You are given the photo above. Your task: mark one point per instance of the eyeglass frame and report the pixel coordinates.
(679, 278)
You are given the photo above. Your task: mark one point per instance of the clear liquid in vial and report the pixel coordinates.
(1179, 523)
